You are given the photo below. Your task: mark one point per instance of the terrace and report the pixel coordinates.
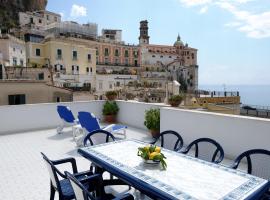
(27, 130)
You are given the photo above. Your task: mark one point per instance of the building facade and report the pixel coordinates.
(162, 63)
(38, 19)
(15, 92)
(72, 62)
(12, 50)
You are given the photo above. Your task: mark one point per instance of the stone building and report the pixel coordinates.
(12, 50)
(72, 61)
(15, 92)
(161, 63)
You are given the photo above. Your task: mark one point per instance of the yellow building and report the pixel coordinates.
(72, 62)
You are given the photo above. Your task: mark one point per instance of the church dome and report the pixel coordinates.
(178, 41)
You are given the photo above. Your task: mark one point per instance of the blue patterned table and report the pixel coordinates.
(185, 178)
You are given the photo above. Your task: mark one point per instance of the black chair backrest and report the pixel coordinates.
(98, 137)
(257, 162)
(170, 140)
(80, 191)
(52, 172)
(206, 149)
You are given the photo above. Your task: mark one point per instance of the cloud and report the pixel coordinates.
(195, 2)
(203, 10)
(254, 25)
(78, 11)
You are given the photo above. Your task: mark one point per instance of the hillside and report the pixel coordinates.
(9, 10)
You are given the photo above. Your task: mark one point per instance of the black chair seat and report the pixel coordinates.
(66, 188)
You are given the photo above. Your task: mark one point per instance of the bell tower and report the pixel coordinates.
(144, 38)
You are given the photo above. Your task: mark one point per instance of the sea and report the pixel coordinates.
(257, 95)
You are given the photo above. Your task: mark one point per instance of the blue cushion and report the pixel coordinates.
(67, 190)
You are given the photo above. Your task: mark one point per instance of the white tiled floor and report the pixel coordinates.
(23, 175)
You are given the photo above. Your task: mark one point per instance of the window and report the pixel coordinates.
(126, 62)
(106, 52)
(97, 51)
(116, 52)
(59, 53)
(153, 56)
(161, 56)
(135, 53)
(89, 57)
(170, 56)
(58, 99)
(91, 70)
(74, 55)
(55, 19)
(37, 52)
(110, 85)
(14, 49)
(78, 68)
(72, 67)
(41, 76)
(136, 63)
(48, 17)
(126, 53)
(61, 67)
(21, 62)
(116, 61)
(192, 55)
(1, 72)
(40, 21)
(106, 61)
(118, 84)
(31, 20)
(21, 51)
(14, 61)
(87, 69)
(16, 99)
(100, 85)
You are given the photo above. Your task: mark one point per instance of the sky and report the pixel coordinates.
(232, 36)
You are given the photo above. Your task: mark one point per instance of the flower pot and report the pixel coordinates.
(111, 97)
(155, 133)
(110, 118)
(174, 103)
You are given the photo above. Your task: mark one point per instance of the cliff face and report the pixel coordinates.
(9, 10)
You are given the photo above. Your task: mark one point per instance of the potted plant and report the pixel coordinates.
(110, 110)
(152, 121)
(175, 100)
(111, 95)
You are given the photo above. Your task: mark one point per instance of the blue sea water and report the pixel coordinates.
(250, 94)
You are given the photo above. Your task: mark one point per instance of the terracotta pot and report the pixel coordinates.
(110, 118)
(174, 103)
(155, 133)
(111, 97)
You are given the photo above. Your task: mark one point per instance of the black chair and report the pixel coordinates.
(59, 181)
(206, 149)
(98, 137)
(101, 137)
(257, 162)
(170, 140)
(96, 189)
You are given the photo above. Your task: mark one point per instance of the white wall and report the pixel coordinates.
(236, 134)
(132, 113)
(21, 118)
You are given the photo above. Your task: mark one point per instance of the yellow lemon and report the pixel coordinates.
(157, 149)
(152, 155)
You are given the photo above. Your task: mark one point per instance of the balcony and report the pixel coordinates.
(21, 141)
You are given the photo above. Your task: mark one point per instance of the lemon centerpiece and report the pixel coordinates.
(153, 154)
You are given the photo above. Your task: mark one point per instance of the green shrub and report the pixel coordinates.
(110, 108)
(111, 93)
(177, 98)
(152, 119)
